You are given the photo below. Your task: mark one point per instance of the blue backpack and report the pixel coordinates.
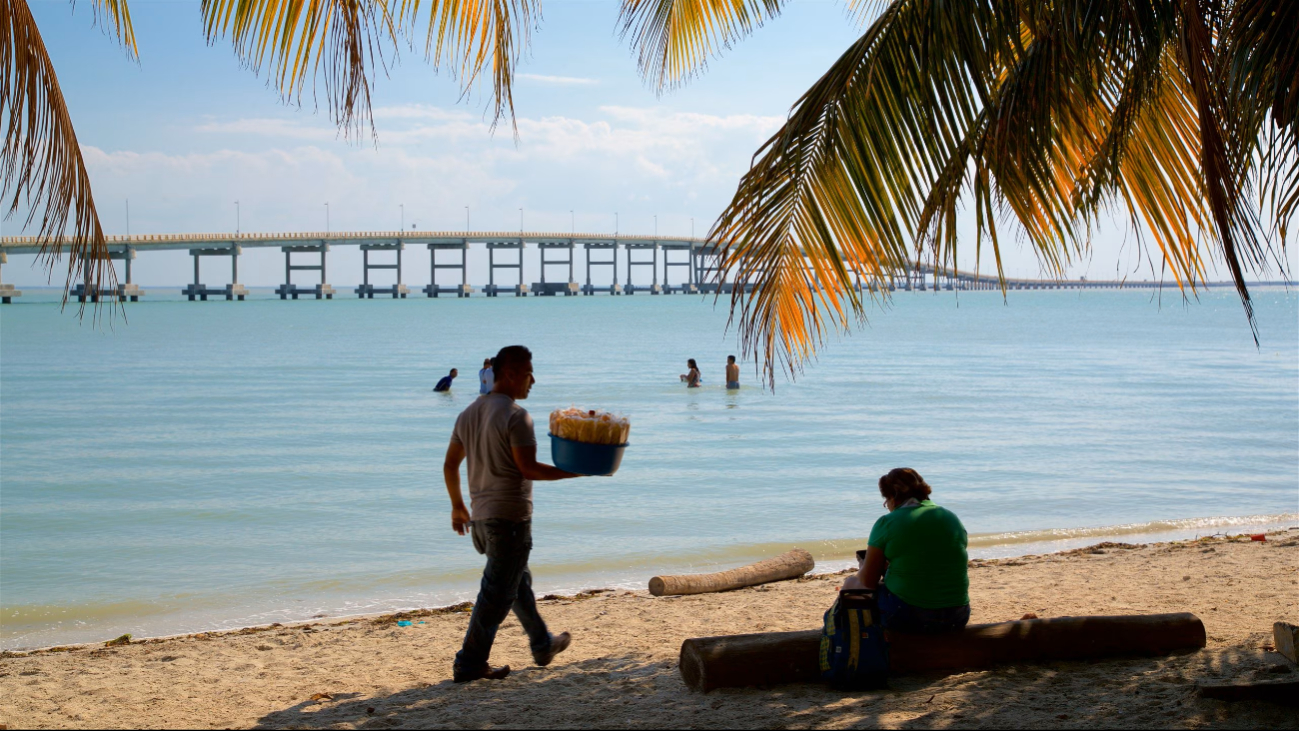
(854, 653)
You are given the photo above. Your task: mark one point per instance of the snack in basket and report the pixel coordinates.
(590, 427)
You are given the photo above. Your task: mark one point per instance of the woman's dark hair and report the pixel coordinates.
(509, 357)
(903, 484)
(691, 363)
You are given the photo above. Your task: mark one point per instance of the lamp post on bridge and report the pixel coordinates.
(466, 219)
(326, 216)
(520, 223)
(237, 218)
(572, 222)
(615, 224)
(402, 206)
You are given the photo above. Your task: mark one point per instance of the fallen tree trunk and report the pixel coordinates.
(790, 657)
(788, 565)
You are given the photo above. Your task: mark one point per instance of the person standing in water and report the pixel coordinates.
(732, 373)
(485, 377)
(495, 434)
(445, 384)
(692, 377)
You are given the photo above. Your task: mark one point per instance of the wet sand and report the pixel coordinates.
(621, 670)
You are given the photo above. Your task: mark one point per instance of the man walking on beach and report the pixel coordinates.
(496, 435)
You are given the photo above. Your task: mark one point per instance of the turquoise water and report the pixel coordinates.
(210, 465)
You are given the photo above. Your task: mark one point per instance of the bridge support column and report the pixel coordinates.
(231, 291)
(289, 289)
(461, 290)
(367, 290)
(493, 290)
(612, 247)
(7, 291)
(550, 289)
(653, 263)
(688, 286)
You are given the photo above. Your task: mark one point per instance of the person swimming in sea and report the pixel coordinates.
(691, 378)
(732, 374)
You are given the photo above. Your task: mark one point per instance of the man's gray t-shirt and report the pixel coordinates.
(488, 429)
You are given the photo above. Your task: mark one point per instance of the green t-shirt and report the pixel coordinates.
(925, 546)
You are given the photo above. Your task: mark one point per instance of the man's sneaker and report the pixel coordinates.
(485, 672)
(558, 644)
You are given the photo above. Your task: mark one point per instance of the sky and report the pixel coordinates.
(183, 134)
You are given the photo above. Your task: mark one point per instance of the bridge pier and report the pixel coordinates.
(688, 286)
(231, 291)
(708, 269)
(653, 264)
(615, 288)
(367, 290)
(127, 290)
(7, 291)
(289, 289)
(550, 289)
(492, 290)
(432, 289)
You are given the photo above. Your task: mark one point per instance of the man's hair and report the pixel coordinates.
(453, 370)
(487, 362)
(902, 484)
(509, 357)
(730, 359)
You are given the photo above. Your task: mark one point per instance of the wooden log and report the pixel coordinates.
(788, 565)
(790, 657)
(1285, 692)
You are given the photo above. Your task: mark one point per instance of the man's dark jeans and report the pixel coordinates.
(507, 584)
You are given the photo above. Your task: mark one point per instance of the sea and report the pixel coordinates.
(193, 466)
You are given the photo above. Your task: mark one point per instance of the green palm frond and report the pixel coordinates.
(675, 38)
(40, 163)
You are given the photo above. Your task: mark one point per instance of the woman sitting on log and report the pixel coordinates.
(922, 545)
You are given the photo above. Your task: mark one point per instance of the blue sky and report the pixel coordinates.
(187, 131)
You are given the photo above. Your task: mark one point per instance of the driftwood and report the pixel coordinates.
(1285, 692)
(789, 565)
(789, 657)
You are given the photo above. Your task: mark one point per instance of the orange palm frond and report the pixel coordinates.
(675, 38)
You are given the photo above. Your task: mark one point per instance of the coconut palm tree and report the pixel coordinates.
(1041, 116)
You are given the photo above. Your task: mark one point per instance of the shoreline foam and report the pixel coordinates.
(592, 592)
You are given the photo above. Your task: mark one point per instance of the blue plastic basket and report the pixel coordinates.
(585, 459)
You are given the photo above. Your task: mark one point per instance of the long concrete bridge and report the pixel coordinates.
(449, 254)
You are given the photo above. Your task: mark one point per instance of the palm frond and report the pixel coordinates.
(339, 41)
(837, 192)
(115, 18)
(675, 38)
(466, 35)
(40, 163)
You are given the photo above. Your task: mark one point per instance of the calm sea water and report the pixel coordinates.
(211, 465)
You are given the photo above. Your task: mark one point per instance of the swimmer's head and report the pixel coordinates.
(730, 359)
(691, 363)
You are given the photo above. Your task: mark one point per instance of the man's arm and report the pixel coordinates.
(451, 474)
(525, 458)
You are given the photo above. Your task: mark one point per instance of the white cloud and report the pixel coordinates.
(559, 80)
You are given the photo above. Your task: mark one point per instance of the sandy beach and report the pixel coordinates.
(621, 670)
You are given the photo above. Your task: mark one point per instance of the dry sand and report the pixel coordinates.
(621, 670)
